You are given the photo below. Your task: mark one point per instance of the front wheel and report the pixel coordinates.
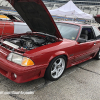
(56, 68)
(98, 55)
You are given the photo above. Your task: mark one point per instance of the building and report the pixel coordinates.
(87, 2)
(78, 2)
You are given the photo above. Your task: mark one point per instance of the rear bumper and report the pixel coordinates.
(24, 74)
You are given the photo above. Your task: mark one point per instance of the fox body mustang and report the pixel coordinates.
(49, 49)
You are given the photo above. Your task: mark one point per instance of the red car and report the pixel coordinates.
(49, 49)
(97, 19)
(12, 24)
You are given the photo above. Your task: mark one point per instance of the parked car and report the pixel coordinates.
(49, 49)
(97, 18)
(12, 24)
(3, 17)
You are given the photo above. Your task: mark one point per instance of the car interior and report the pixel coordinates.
(87, 34)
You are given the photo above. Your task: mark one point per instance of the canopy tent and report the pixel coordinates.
(70, 10)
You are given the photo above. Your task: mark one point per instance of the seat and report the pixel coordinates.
(84, 34)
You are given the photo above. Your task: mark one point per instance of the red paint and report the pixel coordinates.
(75, 53)
(42, 57)
(6, 28)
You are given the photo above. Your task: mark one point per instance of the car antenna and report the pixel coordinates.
(6, 17)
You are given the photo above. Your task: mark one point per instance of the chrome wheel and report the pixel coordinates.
(57, 68)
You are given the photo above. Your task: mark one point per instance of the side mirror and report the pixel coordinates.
(81, 40)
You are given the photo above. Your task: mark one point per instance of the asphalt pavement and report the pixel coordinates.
(80, 82)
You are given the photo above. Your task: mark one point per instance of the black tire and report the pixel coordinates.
(98, 55)
(55, 65)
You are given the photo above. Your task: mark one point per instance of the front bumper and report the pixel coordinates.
(24, 74)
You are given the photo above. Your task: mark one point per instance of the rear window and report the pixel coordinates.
(68, 31)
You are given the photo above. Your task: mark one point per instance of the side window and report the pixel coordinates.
(97, 32)
(87, 34)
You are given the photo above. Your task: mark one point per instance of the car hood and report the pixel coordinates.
(36, 15)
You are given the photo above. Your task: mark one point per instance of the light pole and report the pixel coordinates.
(90, 10)
(97, 10)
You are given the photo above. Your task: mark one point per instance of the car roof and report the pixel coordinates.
(74, 23)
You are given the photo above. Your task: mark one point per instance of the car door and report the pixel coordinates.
(88, 48)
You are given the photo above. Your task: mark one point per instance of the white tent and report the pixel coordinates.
(70, 10)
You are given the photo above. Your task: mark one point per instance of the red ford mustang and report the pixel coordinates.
(14, 24)
(49, 49)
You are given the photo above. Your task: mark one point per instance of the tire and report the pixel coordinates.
(98, 55)
(56, 68)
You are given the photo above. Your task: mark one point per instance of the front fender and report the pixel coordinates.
(57, 54)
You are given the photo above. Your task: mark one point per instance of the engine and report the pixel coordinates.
(29, 41)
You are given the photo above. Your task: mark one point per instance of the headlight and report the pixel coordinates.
(18, 59)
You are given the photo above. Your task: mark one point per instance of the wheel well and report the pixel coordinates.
(66, 58)
(60, 55)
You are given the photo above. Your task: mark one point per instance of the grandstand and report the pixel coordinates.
(88, 6)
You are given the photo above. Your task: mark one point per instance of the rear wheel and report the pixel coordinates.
(98, 55)
(56, 68)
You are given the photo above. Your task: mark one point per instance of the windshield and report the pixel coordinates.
(68, 31)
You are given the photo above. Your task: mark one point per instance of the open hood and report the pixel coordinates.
(36, 15)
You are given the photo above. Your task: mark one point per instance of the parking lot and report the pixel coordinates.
(80, 82)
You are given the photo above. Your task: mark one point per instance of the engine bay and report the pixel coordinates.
(29, 41)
